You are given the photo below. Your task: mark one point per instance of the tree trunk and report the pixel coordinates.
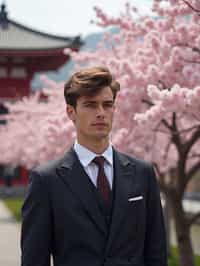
(182, 233)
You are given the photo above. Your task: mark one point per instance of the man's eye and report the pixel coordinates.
(92, 105)
(108, 105)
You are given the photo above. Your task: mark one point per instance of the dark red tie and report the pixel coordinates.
(102, 181)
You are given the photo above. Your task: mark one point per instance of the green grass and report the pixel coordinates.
(174, 259)
(14, 205)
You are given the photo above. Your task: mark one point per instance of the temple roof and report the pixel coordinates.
(17, 37)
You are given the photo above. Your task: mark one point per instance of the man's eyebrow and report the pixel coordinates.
(89, 101)
(93, 101)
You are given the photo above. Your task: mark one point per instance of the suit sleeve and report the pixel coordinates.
(155, 249)
(36, 224)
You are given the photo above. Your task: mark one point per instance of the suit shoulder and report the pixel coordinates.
(136, 161)
(143, 169)
(48, 169)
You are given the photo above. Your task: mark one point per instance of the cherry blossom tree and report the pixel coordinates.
(157, 62)
(37, 128)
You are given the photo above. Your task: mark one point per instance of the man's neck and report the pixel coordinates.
(97, 147)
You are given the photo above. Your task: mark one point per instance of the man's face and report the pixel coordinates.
(93, 115)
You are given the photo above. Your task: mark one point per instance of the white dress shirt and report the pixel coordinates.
(86, 156)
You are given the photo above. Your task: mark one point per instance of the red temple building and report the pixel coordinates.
(24, 52)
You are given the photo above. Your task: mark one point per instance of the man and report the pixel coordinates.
(94, 206)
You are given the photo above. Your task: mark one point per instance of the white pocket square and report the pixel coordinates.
(135, 198)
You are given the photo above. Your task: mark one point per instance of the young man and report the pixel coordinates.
(94, 206)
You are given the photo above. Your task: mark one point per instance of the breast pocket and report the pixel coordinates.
(136, 205)
(136, 211)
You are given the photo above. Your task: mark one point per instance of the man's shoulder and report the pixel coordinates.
(139, 162)
(49, 168)
(144, 171)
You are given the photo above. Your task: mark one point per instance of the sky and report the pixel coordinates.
(66, 17)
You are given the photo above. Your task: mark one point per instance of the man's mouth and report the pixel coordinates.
(100, 124)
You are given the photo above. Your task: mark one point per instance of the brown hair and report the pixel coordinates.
(88, 82)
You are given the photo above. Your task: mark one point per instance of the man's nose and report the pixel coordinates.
(100, 110)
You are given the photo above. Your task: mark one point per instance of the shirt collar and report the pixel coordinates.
(86, 156)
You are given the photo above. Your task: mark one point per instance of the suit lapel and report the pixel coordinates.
(123, 174)
(74, 176)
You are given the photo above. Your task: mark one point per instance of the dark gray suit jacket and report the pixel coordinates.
(61, 217)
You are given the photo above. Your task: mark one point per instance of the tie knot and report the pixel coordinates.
(99, 161)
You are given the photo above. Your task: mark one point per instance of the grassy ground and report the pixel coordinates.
(15, 206)
(173, 260)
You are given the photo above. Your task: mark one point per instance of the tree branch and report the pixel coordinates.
(193, 48)
(194, 218)
(196, 155)
(192, 140)
(189, 129)
(175, 134)
(162, 85)
(161, 182)
(192, 171)
(166, 124)
(147, 102)
(191, 6)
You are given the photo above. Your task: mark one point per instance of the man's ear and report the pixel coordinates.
(70, 112)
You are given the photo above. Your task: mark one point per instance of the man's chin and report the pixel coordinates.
(101, 135)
